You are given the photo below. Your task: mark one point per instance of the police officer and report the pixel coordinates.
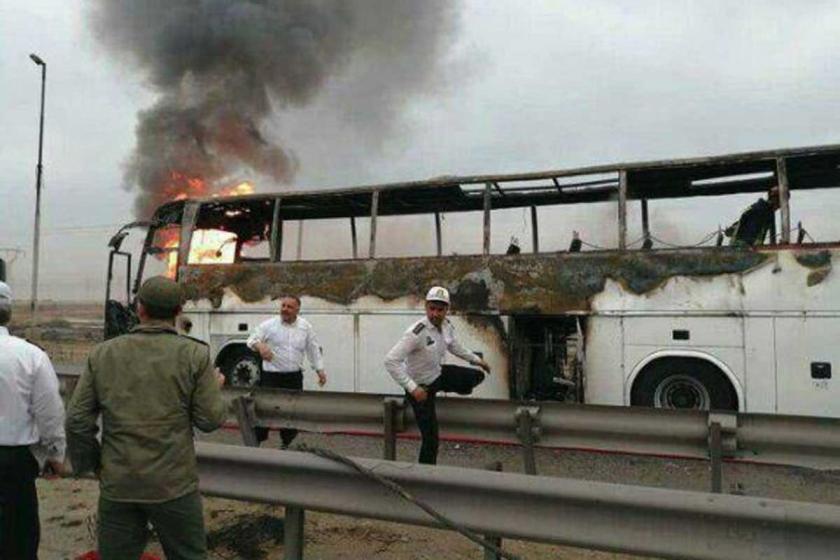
(415, 363)
(31, 435)
(151, 386)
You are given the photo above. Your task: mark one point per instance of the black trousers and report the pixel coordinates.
(276, 380)
(20, 530)
(452, 379)
(425, 415)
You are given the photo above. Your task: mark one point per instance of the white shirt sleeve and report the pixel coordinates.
(313, 350)
(48, 409)
(395, 361)
(257, 336)
(456, 348)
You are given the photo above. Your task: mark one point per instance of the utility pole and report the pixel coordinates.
(36, 242)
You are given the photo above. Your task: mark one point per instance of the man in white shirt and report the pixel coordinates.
(31, 425)
(282, 343)
(415, 363)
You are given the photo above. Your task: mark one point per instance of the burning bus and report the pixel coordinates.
(718, 326)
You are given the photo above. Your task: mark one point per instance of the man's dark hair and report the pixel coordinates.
(160, 313)
(291, 296)
(776, 192)
(5, 315)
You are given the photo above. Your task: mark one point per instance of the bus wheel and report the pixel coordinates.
(683, 383)
(241, 367)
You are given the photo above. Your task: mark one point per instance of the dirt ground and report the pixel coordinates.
(67, 331)
(244, 530)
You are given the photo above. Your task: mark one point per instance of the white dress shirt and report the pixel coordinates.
(31, 409)
(289, 344)
(417, 357)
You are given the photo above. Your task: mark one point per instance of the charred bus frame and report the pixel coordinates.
(544, 295)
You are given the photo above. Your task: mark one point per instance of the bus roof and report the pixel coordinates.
(806, 167)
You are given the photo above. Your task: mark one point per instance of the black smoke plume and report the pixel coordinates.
(222, 68)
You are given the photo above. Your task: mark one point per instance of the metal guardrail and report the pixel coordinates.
(632, 519)
(763, 438)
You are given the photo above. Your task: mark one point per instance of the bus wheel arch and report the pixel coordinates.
(684, 381)
(241, 365)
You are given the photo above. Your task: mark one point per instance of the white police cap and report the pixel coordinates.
(438, 293)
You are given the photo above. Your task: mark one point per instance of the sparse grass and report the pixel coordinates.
(66, 331)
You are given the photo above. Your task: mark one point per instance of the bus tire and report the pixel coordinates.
(683, 383)
(241, 366)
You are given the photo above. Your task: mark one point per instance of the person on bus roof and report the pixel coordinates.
(752, 227)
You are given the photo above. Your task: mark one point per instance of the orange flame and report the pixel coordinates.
(207, 246)
(242, 188)
(212, 246)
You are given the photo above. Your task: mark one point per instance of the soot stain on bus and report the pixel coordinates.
(819, 263)
(816, 260)
(503, 284)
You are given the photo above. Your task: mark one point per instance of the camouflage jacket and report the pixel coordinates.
(150, 388)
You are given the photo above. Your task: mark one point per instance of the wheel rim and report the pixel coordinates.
(681, 392)
(246, 373)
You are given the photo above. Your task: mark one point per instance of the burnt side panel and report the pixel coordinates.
(516, 284)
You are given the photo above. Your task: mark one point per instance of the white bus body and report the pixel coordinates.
(768, 330)
(752, 329)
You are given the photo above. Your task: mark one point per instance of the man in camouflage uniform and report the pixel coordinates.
(150, 386)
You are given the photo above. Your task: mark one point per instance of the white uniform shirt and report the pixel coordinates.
(417, 357)
(31, 409)
(289, 343)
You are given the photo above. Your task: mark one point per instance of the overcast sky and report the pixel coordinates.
(526, 86)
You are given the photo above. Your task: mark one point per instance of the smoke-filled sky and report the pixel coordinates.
(385, 91)
(221, 70)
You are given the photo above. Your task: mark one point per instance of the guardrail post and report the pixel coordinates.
(66, 386)
(392, 416)
(716, 458)
(722, 442)
(527, 421)
(489, 554)
(246, 417)
(293, 540)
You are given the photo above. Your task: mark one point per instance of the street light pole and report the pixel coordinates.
(36, 242)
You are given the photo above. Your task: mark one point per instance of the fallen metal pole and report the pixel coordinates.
(630, 519)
